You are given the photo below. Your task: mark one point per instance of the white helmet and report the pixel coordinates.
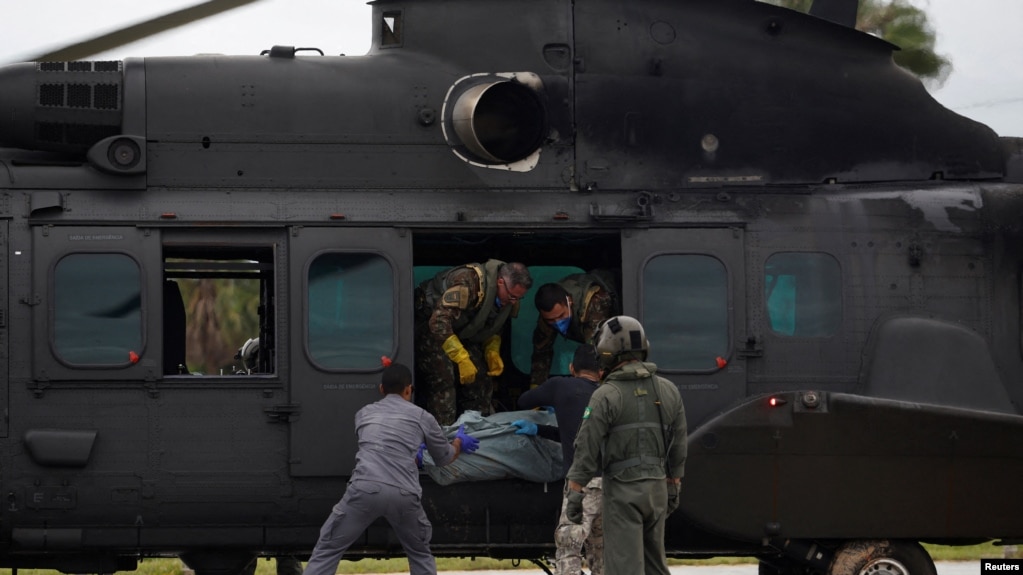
(620, 336)
(249, 353)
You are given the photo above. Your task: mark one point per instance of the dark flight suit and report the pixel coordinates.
(460, 302)
(624, 422)
(592, 303)
(569, 397)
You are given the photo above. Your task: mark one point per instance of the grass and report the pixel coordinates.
(965, 553)
(399, 565)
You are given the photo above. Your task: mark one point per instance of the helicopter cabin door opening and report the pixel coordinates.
(549, 255)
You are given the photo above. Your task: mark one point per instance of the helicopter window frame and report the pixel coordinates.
(392, 29)
(69, 294)
(323, 333)
(819, 274)
(686, 311)
(243, 281)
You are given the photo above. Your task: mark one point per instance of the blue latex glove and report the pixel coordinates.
(419, 455)
(549, 409)
(524, 427)
(469, 443)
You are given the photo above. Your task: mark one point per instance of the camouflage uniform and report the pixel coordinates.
(587, 536)
(458, 301)
(592, 302)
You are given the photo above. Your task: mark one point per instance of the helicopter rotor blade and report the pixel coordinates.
(139, 31)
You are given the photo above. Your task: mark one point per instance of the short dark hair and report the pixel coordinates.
(395, 378)
(516, 274)
(549, 295)
(586, 359)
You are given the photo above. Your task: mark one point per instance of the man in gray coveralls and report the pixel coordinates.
(385, 482)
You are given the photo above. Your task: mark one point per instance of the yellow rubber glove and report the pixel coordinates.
(457, 353)
(492, 352)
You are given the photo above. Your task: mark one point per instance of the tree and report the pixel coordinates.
(222, 313)
(902, 24)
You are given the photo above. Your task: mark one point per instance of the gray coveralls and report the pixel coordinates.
(624, 421)
(385, 484)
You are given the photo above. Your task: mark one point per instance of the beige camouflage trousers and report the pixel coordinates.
(588, 537)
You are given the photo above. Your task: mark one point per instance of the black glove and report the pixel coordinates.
(574, 509)
(673, 489)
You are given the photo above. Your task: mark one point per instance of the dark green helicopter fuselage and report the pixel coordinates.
(826, 262)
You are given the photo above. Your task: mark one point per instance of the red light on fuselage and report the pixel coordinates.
(776, 401)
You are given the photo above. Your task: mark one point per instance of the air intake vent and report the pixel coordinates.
(51, 95)
(98, 96)
(78, 104)
(99, 87)
(81, 66)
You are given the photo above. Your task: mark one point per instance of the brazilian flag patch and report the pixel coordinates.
(586, 412)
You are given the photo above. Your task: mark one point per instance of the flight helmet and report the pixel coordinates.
(249, 354)
(620, 338)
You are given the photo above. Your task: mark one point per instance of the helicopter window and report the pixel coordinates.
(218, 311)
(390, 33)
(803, 294)
(685, 311)
(97, 309)
(350, 310)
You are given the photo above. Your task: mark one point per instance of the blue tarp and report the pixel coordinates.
(502, 454)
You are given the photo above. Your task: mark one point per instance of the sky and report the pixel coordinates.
(981, 37)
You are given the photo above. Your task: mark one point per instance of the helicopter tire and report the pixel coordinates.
(882, 557)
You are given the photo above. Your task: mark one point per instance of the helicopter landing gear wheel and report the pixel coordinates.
(882, 557)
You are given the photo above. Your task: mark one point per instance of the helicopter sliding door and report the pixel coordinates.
(687, 287)
(351, 304)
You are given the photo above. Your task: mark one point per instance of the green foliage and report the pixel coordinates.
(902, 24)
(222, 314)
(964, 552)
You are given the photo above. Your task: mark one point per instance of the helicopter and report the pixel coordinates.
(826, 262)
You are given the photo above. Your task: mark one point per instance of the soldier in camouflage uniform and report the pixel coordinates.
(460, 314)
(573, 307)
(634, 430)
